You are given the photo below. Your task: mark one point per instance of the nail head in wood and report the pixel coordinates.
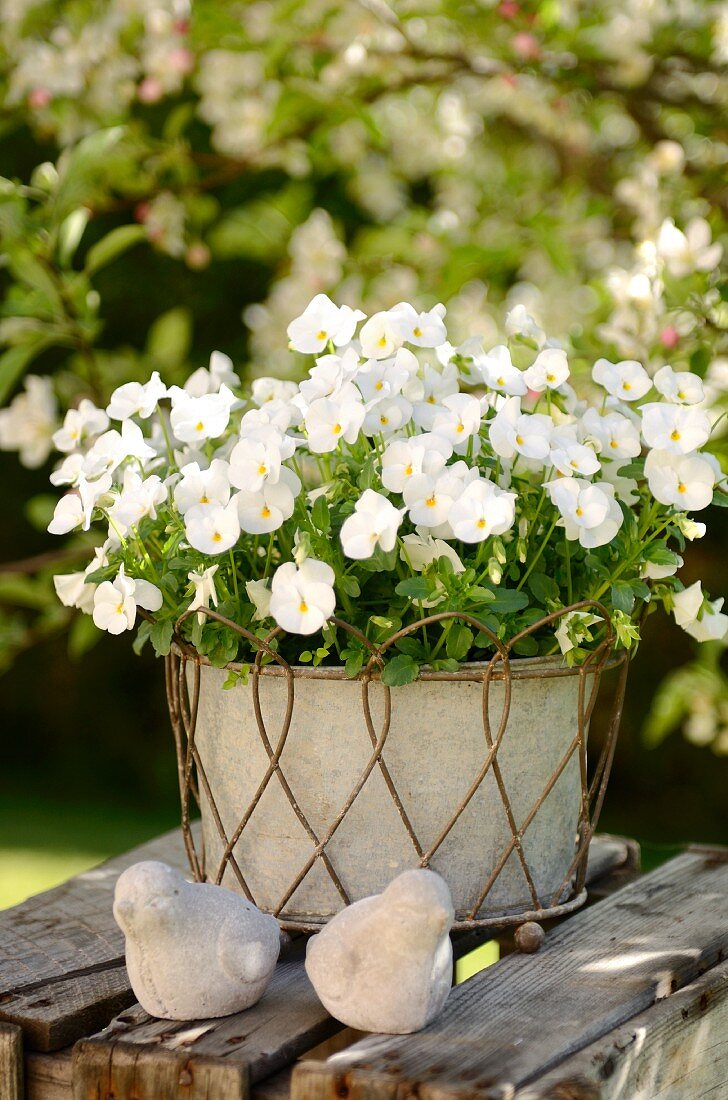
(529, 937)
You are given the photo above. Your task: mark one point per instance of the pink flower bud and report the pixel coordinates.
(669, 337)
(39, 98)
(150, 90)
(525, 45)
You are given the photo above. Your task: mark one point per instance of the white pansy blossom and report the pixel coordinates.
(328, 422)
(323, 321)
(498, 372)
(374, 523)
(482, 510)
(211, 379)
(268, 509)
(627, 380)
(205, 593)
(381, 336)
(405, 458)
(214, 528)
(513, 432)
(302, 597)
(681, 387)
(202, 487)
(683, 481)
(79, 425)
(459, 419)
(693, 250)
(259, 595)
(27, 425)
(195, 419)
(135, 399)
(75, 509)
(116, 602)
(419, 551)
(590, 512)
(674, 428)
(549, 370)
(615, 434)
(698, 617)
(424, 330)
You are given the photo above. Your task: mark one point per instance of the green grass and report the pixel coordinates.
(45, 841)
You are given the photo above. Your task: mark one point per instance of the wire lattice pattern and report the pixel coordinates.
(183, 694)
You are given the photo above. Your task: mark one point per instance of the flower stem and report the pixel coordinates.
(536, 556)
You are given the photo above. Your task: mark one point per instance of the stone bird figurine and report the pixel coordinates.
(385, 963)
(193, 950)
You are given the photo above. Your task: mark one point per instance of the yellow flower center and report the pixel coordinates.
(336, 429)
(204, 499)
(379, 386)
(303, 607)
(217, 537)
(262, 470)
(384, 420)
(550, 377)
(500, 381)
(321, 335)
(431, 502)
(681, 395)
(199, 426)
(480, 524)
(580, 511)
(417, 331)
(265, 511)
(460, 429)
(519, 440)
(431, 399)
(120, 609)
(613, 444)
(627, 386)
(408, 470)
(675, 435)
(682, 488)
(382, 341)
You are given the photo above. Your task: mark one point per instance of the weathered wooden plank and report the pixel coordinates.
(48, 1076)
(11, 1062)
(151, 1074)
(62, 956)
(677, 1048)
(526, 1014)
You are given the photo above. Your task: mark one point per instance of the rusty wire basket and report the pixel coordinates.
(208, 764)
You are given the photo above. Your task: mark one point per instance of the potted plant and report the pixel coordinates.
(386, 596)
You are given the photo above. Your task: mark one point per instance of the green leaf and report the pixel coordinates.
(13, 363)
(261, 229)
(508, 600)
(320, 514)
(236, 676)
(414, 588)
(622, 596)
(527, 647)
(350, 585)
(354, 659)
(70, 233)
(459, 641)
(544, 588)
(169, 337)
(142, 636)
(161, 637)
(113, 245)
(413, 647)
(39, 510)
(83, 635)
(633, 469)
(659, 554)
(402, 669)
(720, 499)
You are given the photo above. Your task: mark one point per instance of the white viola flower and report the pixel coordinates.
(195, 419)
(329, 376)
(214, 528)
(374, 522)
(615, 434)
(549, 370)
(113, 447)
(205, 594)
(73, 590)
(259, 425)
(210, 379)
(302, 597)
(498, 372)
(254, 464)
(429, 498)
(459, 419)
(627, 380)
(381, 336)
(419, 551)
(265, 390)
(139, 497)
(135, 399)
(387, 416)
(380, 378)
(684, 253)
(69, 470)
(259, 596)
(116, 602)
(625, 488)
(482, 510)
(323, 321)
(420, 454)
(590, 513)
(674, 428)
(75, 509)
(428, 392)
(424, 330)
(519, 322)
(328, 422)
(683, 481)
(202, 487)
(680, 387)
(653, 572)
(79, 425)
(268, 509)
(27, 425)
(571, 458)
(699, 617)
(573, 628)
(513, 432)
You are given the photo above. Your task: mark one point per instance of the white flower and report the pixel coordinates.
(113, 447)
(382, 378)
(202, 487)
(115, 602)
(261, 426)
(699, 617)
(265, 390)
(72, 589)
(419, 551)
(268, 509)
(590, 513)
(549, 370)
(574, 628)
(653, 572)
(424, 330)
(681, 387)
(374, 522)
(195, 419)
(482, 510)
(690, 251)
(519, 322)
(684, 481)
(27, 425)
(616, 435)
(459, 418)
(627, 380)
(428, 392)
(674, 428)
(210, 380)
(420, 454)
(387, 416)
(328, 422)
(498, 372)
(302, 598)
(259, 596)
(254, 463)
(330, 376)
(135, 399)
(214, 528)
(76, 508)
(513, 432)
(381, 336)
(570, 458)
(205, 593)
(78, 425)
(320, 322)
(139, 497)
(430, 498)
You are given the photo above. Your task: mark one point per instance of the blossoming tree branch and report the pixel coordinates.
(403, 474)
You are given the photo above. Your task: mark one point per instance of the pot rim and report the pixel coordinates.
(521, 668)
